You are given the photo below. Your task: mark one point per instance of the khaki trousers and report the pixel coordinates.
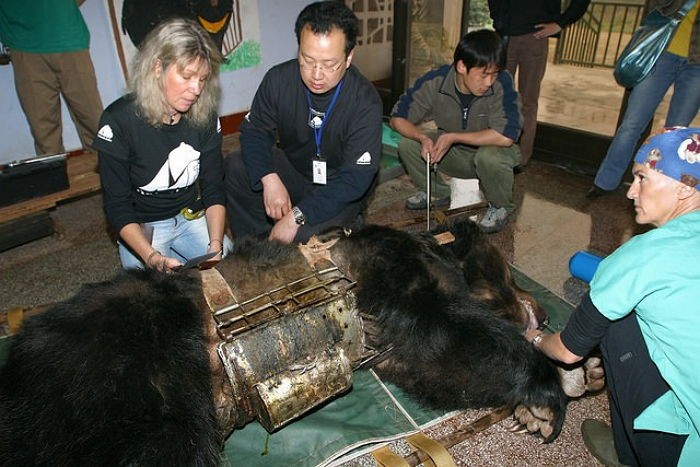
(41, 80)
(528, 56)
(492, 165)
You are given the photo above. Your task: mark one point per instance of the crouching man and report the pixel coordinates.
(477, 113)
(311, 143)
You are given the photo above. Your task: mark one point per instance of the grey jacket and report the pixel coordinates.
(433, 97)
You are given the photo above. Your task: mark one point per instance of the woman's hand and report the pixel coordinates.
(161, 263)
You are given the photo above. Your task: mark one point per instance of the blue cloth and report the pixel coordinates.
(670, 70)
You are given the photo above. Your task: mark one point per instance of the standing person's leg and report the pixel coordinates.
(685, 102)
(642, 103)
(634, 382)
(79, 88)
(512, 57)
(38, 90)
(532, 63)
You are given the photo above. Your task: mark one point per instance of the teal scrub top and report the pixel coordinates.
(657, 274)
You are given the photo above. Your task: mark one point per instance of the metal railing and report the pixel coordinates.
(600, 35)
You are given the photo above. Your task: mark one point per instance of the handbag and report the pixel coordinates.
(646, 45)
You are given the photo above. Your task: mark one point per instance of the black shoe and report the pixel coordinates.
(597, 192)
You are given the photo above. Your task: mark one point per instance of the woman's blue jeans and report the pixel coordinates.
(175, 237)
(669, 70)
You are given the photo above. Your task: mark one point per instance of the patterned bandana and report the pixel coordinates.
(674, 152)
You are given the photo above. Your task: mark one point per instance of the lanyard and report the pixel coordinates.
(318, 131)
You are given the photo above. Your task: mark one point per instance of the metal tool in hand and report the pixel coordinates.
(428, 168)
(427, 189)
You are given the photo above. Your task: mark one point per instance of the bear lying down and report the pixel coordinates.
(122, 373)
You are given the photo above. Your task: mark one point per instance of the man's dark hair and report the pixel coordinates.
(480, 48)
(323, 16)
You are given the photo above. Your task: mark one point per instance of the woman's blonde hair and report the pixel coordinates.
(178, 42)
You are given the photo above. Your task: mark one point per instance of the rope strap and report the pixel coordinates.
(14, 320)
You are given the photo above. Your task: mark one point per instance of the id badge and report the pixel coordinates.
(319, 168)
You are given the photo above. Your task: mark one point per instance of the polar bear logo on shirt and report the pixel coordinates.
(179, 171)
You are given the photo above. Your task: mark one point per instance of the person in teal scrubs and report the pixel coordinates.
(643, 309)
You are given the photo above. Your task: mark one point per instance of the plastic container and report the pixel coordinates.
(583, 265)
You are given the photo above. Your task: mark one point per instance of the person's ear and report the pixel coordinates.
(685, 191)
(349, 59)
(461, 67)
(158, 67)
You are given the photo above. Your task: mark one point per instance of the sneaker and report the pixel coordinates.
(420, 198)
(493, 220)
(598, 438)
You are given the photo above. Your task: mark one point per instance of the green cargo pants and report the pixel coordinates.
(492, 165)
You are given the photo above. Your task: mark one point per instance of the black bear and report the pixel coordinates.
(124, 372)
(454, 320)
(117, 375)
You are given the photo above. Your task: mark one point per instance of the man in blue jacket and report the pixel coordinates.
(476, 110)
(311, 143)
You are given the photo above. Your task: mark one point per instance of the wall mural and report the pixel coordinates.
(232, 24)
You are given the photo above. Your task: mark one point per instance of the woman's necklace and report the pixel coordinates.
(171, 119)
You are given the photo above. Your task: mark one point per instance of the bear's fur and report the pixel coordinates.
(120, 373)
(451, 319)
(116, 375)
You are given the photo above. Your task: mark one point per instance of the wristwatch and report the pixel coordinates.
(537, 339)
(298, 215)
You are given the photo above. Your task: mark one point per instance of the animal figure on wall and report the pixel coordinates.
(125, 372)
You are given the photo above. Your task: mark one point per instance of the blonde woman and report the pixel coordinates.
(160, 152)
